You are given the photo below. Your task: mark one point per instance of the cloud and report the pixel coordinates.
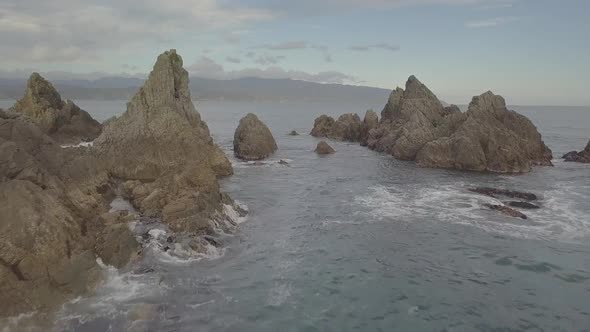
(492, 22)
(381, 46)
(269, 59)
(69, 30)
(291, 45)
(328, 58)
(233, 59)
(495, 6)
(208, 68)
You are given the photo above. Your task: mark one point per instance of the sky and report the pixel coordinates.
(533, 52)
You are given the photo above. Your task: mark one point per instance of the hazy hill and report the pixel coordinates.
(115, 88)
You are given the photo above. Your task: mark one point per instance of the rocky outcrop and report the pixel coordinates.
(253, 140)
(507, 211)
(54, 216)
(488, 137)
(163, 153)
(348, 127)
(324, 148)
(322, 126)
(293, 133)
(495, 193)
(62, 120)
(48, 228)
(370, 122)
(579, 157)
(408, 121)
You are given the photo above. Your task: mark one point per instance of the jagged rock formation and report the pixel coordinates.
(48, 230)
(253, 140)
(370, 122)
(163, 152)
(62, 120)
(579, 157)
(54, 216)
(324, 148)
(348, 127)
(488, 137)
(322, 126)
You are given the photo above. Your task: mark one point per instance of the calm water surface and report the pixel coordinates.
(359, 241)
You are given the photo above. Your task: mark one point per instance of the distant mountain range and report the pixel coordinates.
(247, 89)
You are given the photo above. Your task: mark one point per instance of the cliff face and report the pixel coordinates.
(62, 120)
(163, 151)
(54, 216)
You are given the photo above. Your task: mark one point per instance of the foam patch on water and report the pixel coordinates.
(121, 204)
(558, 217)
(116, 290)
(232, 213)
(79, 145)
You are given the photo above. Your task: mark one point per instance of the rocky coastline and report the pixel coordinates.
(57, 224)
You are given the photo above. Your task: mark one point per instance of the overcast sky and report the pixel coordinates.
(530, 51)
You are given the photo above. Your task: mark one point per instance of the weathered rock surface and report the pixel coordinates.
(524, 205)
(322, 126)
(163, 152)
(253, 140)
(494, 192)
(488, 137)
(62, 120)
(370, 122)
(324, 148)
(48, 229)
(507, 211)
(54, 216)
(348, 127)
(579, 157)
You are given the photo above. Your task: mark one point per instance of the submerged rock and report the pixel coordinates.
(507, 211)
(293, 133)
(322, 126)
(324, 148)
(524, 205)
(579, 157)
(163, 152)
(253, 140)
(62, 120)
(493, 192)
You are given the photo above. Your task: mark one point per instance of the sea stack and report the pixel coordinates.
(253, 140)
(163, 152)
(488, 137)
(62, 120)
(579, 157)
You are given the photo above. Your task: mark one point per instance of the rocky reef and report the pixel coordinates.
(415, 126)
(61, 120)
(55, 218)
(579, 157)
(253, 140)
(324, 148)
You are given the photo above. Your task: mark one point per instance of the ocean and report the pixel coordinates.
(359, 241)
